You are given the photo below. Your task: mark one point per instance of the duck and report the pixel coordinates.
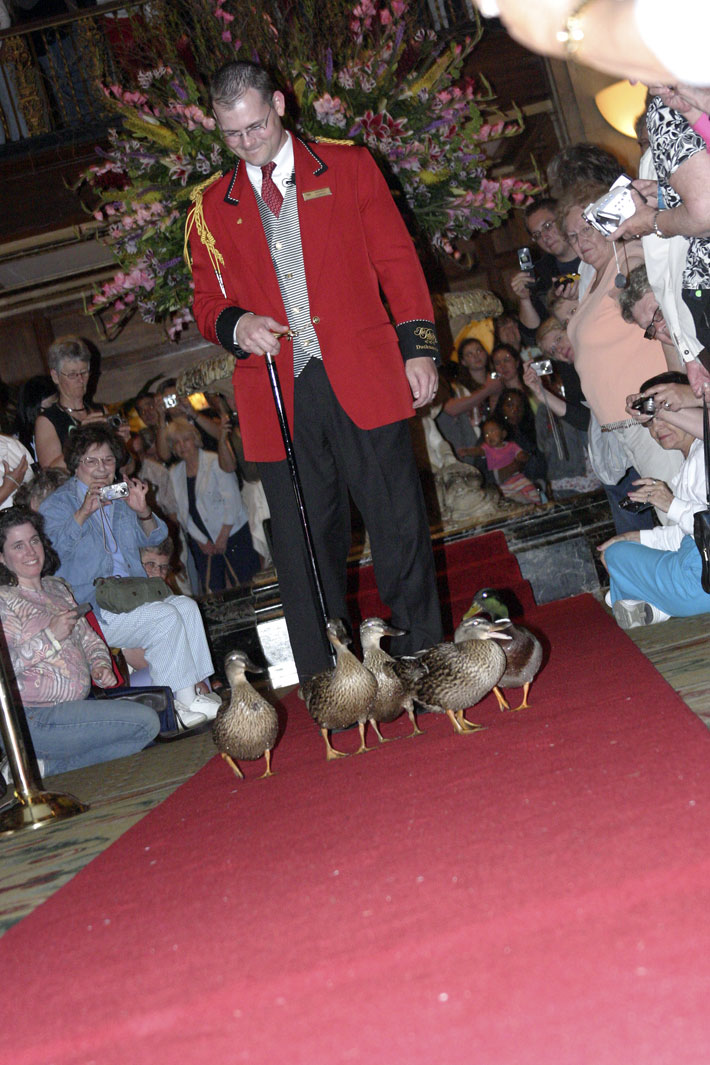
(343, 696)
(394, 691)
(247, 726)
(461, 673)
(523, 652)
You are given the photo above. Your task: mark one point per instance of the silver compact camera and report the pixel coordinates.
(644, 405)
(113, 491)
(542, 367)
(608, 212)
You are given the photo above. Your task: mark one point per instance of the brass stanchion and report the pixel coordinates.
(34, 807)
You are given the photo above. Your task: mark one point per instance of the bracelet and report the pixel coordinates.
(572, 35)
(656, 230)
(9, 477)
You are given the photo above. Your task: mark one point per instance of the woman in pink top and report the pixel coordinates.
(610, 354)
(56, 655)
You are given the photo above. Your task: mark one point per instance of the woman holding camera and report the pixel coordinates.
(98, 528)
(56, 655)
(655, 573)
(610, 355)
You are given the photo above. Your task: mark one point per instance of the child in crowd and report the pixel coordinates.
(505, 461)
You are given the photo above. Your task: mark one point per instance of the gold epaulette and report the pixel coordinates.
(196, 218)
(333, 140)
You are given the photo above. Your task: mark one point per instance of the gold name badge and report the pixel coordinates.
(316, 193)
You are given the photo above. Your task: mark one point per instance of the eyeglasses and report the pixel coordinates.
(574, 238)
(649, 332)
(92, 462)
(544, 228)
(255, 130)
(75, 375)
(159, 567)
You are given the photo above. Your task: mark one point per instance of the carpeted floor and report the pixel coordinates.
(533, 893)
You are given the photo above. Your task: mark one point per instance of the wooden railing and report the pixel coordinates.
(50, 69)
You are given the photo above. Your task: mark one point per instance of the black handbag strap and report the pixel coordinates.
(706, 445)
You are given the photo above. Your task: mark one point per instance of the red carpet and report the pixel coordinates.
(534, 894)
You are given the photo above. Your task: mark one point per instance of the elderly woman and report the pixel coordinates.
(210, 510)
(69, 360)
(98, 538)
(56, 655)
(610, 354)
(655, 574)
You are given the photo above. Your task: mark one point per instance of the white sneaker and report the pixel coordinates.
(633, 613)
(202, 709)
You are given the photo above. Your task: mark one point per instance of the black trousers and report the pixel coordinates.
(377, 466)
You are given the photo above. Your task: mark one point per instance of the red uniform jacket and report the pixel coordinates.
(354, 241)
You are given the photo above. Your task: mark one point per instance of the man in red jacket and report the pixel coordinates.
(303, 239)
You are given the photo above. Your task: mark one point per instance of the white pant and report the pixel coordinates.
(172, 636)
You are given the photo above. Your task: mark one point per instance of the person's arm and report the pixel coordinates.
(225, 451)
(691, 218)
(611, 37)
(12, 478)
(462, 404)
(522, 285)
(49, 450)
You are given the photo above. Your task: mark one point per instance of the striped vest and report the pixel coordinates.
(284, 237)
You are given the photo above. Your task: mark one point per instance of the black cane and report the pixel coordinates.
(298, 493)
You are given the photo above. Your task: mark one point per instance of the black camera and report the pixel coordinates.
(114, 420)
(644, 405)
(525, 262)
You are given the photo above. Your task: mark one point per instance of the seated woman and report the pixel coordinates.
(210, 510)
(506, 461)
(472, 389)
(514, 411)
(96, 538)
(655, 574)
(56, 655)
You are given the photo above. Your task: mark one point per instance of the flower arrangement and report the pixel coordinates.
(399, 89)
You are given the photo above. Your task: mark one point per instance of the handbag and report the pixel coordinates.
(119, 595)
(701, 520)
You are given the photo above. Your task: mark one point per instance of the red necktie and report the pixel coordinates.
(270, 192)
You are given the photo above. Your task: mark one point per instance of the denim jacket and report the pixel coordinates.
(82, 553)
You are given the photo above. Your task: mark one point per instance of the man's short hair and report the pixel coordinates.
(234, 79)
(543, 203)
(67, 347)
(637, 287)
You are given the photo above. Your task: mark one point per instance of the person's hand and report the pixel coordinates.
(535, 24)
(521, 284)
(423, 380)
(637, 415)
(62, 624)
(206, 548)
(91, 503)
(494, 385)
(104, 676)
(220, 545)
(532, 380)
(698, 378)
(17, 473)
(632, 536)
(688, 100)
(649, 490)
(672, 396)
(93, 417)
(640, 224)
(568, 290)
(137, 491)
(257, 334)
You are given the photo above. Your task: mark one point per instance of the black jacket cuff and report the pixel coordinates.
(417, 339)
(224, 328)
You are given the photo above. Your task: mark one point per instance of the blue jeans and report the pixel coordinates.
(87, 731)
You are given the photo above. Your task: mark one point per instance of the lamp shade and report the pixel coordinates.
(621, 104)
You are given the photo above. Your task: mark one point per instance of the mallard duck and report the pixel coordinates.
(524, 651)
(393, 694)
(247, 726)
(342, 696)
(459, 674)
